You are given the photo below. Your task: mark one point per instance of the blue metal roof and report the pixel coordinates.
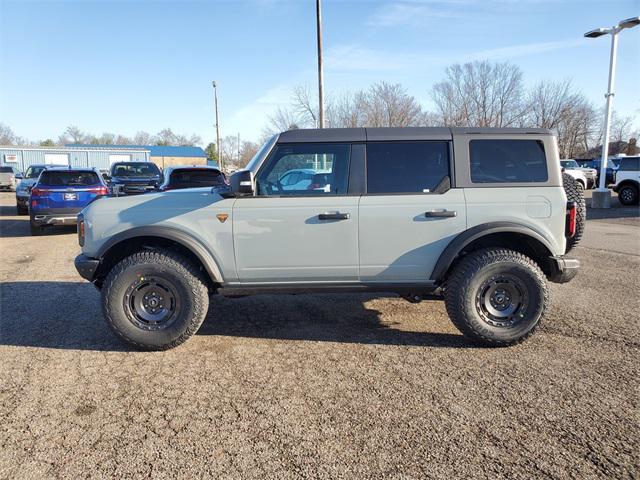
(155, 150)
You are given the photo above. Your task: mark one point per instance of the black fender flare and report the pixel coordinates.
(207, 259)
(474, 233)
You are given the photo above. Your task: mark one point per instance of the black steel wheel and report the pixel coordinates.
(496, 297)
(628, 195)
(155, 300)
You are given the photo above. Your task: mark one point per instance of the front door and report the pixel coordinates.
(409, 214)
(300, 226)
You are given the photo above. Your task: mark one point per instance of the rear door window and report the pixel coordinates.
(406, 167)
(507, 161)
(69, 179)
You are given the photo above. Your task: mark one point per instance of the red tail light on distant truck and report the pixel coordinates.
(572, 211)
(81, 229)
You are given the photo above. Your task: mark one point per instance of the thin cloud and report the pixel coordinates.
(355, 58)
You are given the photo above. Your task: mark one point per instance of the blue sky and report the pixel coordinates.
(145, 65)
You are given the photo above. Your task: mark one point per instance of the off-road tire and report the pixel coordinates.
(190, 288)
(628, 195)
(464, 287)
(575, 194)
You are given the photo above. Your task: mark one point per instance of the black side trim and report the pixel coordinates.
(424, 289)
(465, 238)
(168, 233)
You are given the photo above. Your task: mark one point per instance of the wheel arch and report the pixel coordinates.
(628, 182)
(125, 243)
(496, 234)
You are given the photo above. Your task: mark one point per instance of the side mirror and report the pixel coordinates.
(241, 183)
(19, 176)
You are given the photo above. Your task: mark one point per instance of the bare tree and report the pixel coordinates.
(281, 120)
(388, 105)
(247, 151)
(143, 138)
(621, 127)
(480, 94)
(74, 134)
(8, 137)
(555, 105)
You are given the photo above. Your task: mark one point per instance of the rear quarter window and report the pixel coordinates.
(69, 179)
(629, 164)
(508, 161)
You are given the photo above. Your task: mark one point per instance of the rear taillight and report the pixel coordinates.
(572, 212)
(81, 230)
(99, 190)
(36, 192)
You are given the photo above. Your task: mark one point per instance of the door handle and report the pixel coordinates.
(333, 216)
(440, 213)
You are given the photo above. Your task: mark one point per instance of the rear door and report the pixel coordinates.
(409, 213)
(307, 234)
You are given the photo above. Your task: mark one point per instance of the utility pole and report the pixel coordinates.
(320, 67)
(218, 150)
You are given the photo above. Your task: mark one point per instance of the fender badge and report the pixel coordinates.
(222, 217)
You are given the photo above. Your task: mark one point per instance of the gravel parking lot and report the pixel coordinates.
(322, 386)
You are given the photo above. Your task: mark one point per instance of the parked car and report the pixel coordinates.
(131, 178)
(484, 226)
(301, 178)
(590, 174)
(627, 180)
(60, 194)
(23, 189)
(7, 178)
(612, 166)
(185, 176)
(577, 174)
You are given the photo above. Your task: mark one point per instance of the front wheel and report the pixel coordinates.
(496, 297)
(155, 300)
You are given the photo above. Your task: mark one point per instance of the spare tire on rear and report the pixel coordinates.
(575, 194)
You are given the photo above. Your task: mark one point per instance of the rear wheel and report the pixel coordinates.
(628, 195)
(496, 297)
(574, 191)
(155, 300)
(22, 210)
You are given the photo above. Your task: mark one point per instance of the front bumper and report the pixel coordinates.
(86, 266)
(564, 269)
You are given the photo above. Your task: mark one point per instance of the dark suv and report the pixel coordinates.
(134, 177)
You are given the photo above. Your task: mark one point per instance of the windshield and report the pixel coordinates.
(569, 164)
(146, 169)
(69, 178)
(260, 154)
(34, 172)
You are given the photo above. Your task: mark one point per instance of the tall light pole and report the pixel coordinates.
(215, 99)
(320, 67)
(602, 195)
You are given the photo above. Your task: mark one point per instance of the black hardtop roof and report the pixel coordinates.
(396, 133)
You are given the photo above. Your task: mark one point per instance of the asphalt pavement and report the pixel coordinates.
(319, 386)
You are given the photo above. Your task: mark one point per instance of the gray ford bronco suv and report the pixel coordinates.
(481, 218)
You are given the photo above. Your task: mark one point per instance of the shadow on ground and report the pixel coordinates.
(76, 322)
(18, 226)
